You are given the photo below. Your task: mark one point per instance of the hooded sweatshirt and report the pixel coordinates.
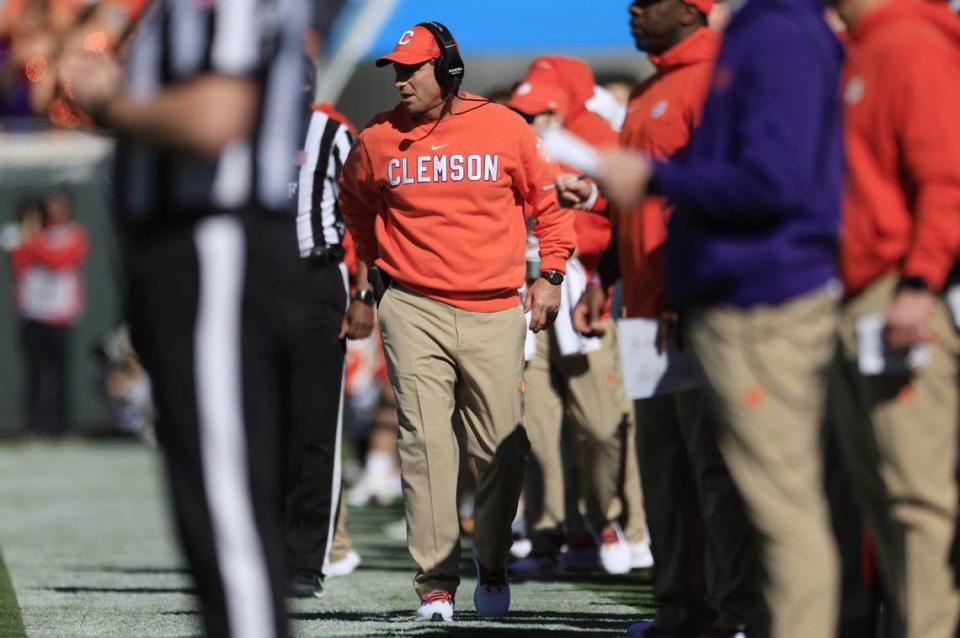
(902, 94)
(575, 78)
(439, 205)
(661, 116)
(757, 197)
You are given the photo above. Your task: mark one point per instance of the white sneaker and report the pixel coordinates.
(360, 494)
(343, 567)
(396, 531)
(614, 551)
(521, 548)
(436, 606)
(492, 595)
(640, 555)
(385, 489)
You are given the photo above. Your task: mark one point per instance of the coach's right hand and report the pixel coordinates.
(587, 312)
(543, 300)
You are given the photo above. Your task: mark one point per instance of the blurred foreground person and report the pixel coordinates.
(47, 261)
(707, 577)
(212, 271)
(434, 193)
(901, 238)
(751, 264)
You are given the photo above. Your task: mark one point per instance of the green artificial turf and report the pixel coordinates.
(89, 544)
(11, 625)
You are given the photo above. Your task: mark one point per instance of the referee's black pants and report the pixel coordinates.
(214, 309)
(313, 470)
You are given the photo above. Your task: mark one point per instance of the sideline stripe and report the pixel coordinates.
(11, 624)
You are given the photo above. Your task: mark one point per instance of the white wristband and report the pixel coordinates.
(594, 195)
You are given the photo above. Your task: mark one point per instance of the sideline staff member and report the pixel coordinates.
(900, 239)
(213, 274)
(751, 258)
(433, 192)
(707, 572)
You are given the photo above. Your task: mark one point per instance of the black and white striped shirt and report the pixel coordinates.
(180, 40)
(319, 222)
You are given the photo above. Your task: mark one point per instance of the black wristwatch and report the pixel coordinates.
(555, 277)
(363, 296)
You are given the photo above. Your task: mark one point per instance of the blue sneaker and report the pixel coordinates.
(540, 566)
(492, 595)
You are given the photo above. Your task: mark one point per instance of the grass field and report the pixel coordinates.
(89, 552)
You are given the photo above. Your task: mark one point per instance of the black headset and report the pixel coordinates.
(449, 67)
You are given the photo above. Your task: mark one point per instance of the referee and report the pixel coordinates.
(203, 164)
(313, 472)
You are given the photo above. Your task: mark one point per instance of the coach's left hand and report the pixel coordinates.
(543, 300)
(357, 321)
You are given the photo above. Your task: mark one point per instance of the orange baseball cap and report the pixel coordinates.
(416, 46)
(703, 5)
(534, 98)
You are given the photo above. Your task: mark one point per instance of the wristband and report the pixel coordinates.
(592, 200)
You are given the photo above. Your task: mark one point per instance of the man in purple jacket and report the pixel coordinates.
(751, 252)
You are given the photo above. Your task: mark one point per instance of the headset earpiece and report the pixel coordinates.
(449, 67)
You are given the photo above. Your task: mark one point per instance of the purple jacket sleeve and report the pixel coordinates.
(774, 129)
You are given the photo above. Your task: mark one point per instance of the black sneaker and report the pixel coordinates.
(305, 584)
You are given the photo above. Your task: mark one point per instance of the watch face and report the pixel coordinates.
(553, 277)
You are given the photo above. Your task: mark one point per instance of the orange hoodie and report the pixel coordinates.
(439, 205)
(575, 78)
(902, 94)
(661, 115)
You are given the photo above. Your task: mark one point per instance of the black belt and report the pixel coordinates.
(321, 256)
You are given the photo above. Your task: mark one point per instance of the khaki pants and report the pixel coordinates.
(588, 389)
(442, 360)
(902, 462)
(766, 370)
(707, 567)
(342, 543)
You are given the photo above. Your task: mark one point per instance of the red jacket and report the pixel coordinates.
(661, 115)
(902, 94)
(47, 271)
(575, 78)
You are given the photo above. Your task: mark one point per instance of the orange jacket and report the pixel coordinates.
(575, 78)
(902, 94)
(439, 206)
(661, 115)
